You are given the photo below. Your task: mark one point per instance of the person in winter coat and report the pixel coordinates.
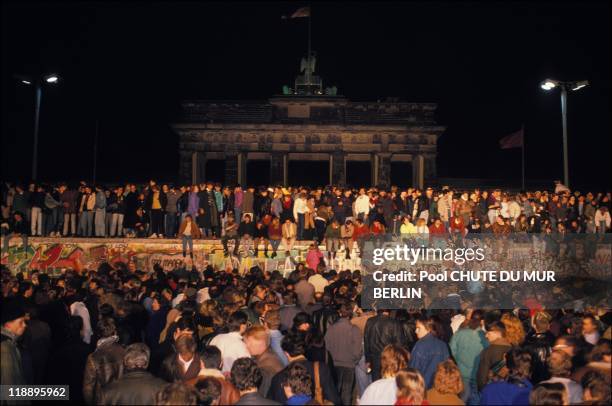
(381, 331)
(87, 203)
(276, 206)
(193, 201)
(170, 215)
(15, 227)
(156, 202)
(13, 327)
(261, 237)
(332, 238)
(313, 257)
(515, 388)
(246, 231)
(100, 212)
(37, 202)
(210, 216)
(289, 232)
(602, 220)
(262, 205)
(428, 352)
(275, 234)
(346, 234)
(105, 364)
(187, 232)
(238, 197)
(52, 213)
(131, 204)
(466, 345)
(137, 386)
(463, 208)
(287, 208)
(248, 202)
(343, 340)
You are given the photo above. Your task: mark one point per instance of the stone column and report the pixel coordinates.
(231, 169)
(201, 173)
(278, 168)
(374, 169)
(383, 170)
(338, 168)
(185, 166)
(241, 168)
(194, 168)
(330, 177)
(285, 170)
(418, 170)
(430, 175)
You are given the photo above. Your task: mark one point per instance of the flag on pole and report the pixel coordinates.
(301, 13)
(514, 140)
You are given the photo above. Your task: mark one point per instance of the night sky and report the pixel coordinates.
(129, 64)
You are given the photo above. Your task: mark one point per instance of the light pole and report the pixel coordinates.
(548, 85)
(38, 84)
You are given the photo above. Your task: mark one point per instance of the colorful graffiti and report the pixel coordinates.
(54, 254)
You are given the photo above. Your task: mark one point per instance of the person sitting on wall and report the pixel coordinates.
(231, 233)
(246, 230)
(15, 227)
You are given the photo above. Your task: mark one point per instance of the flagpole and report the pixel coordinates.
(309, 40)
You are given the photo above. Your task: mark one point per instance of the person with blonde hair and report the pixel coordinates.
(410, 388)
(257, 341)
(515, 332)
(393, 359)
(447, 385)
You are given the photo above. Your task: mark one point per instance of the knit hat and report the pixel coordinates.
(12, 309)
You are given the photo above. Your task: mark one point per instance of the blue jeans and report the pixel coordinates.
(187, 240)
(361, 376)
(237, 214)
(85, 223)
(170, 220)
(52, 221)
(470, 394)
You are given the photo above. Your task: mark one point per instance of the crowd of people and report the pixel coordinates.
(120, 335)
(271, 216)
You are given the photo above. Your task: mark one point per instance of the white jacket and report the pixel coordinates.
(299, 207)
(362, 204)
(605, 216)
(79, 309)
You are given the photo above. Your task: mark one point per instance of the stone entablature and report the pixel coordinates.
(308, 128)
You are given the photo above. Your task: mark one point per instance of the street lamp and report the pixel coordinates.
(550, 84)
(38, 83)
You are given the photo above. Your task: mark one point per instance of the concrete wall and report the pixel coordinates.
(55, 254)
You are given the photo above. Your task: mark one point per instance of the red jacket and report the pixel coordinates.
(457, 226)
(361, 231)
(377, 230)
(275, 233)
(437, 230)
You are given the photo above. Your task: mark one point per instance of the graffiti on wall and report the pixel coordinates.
(52, 255)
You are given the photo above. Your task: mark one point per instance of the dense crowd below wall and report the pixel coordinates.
(117, 335)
